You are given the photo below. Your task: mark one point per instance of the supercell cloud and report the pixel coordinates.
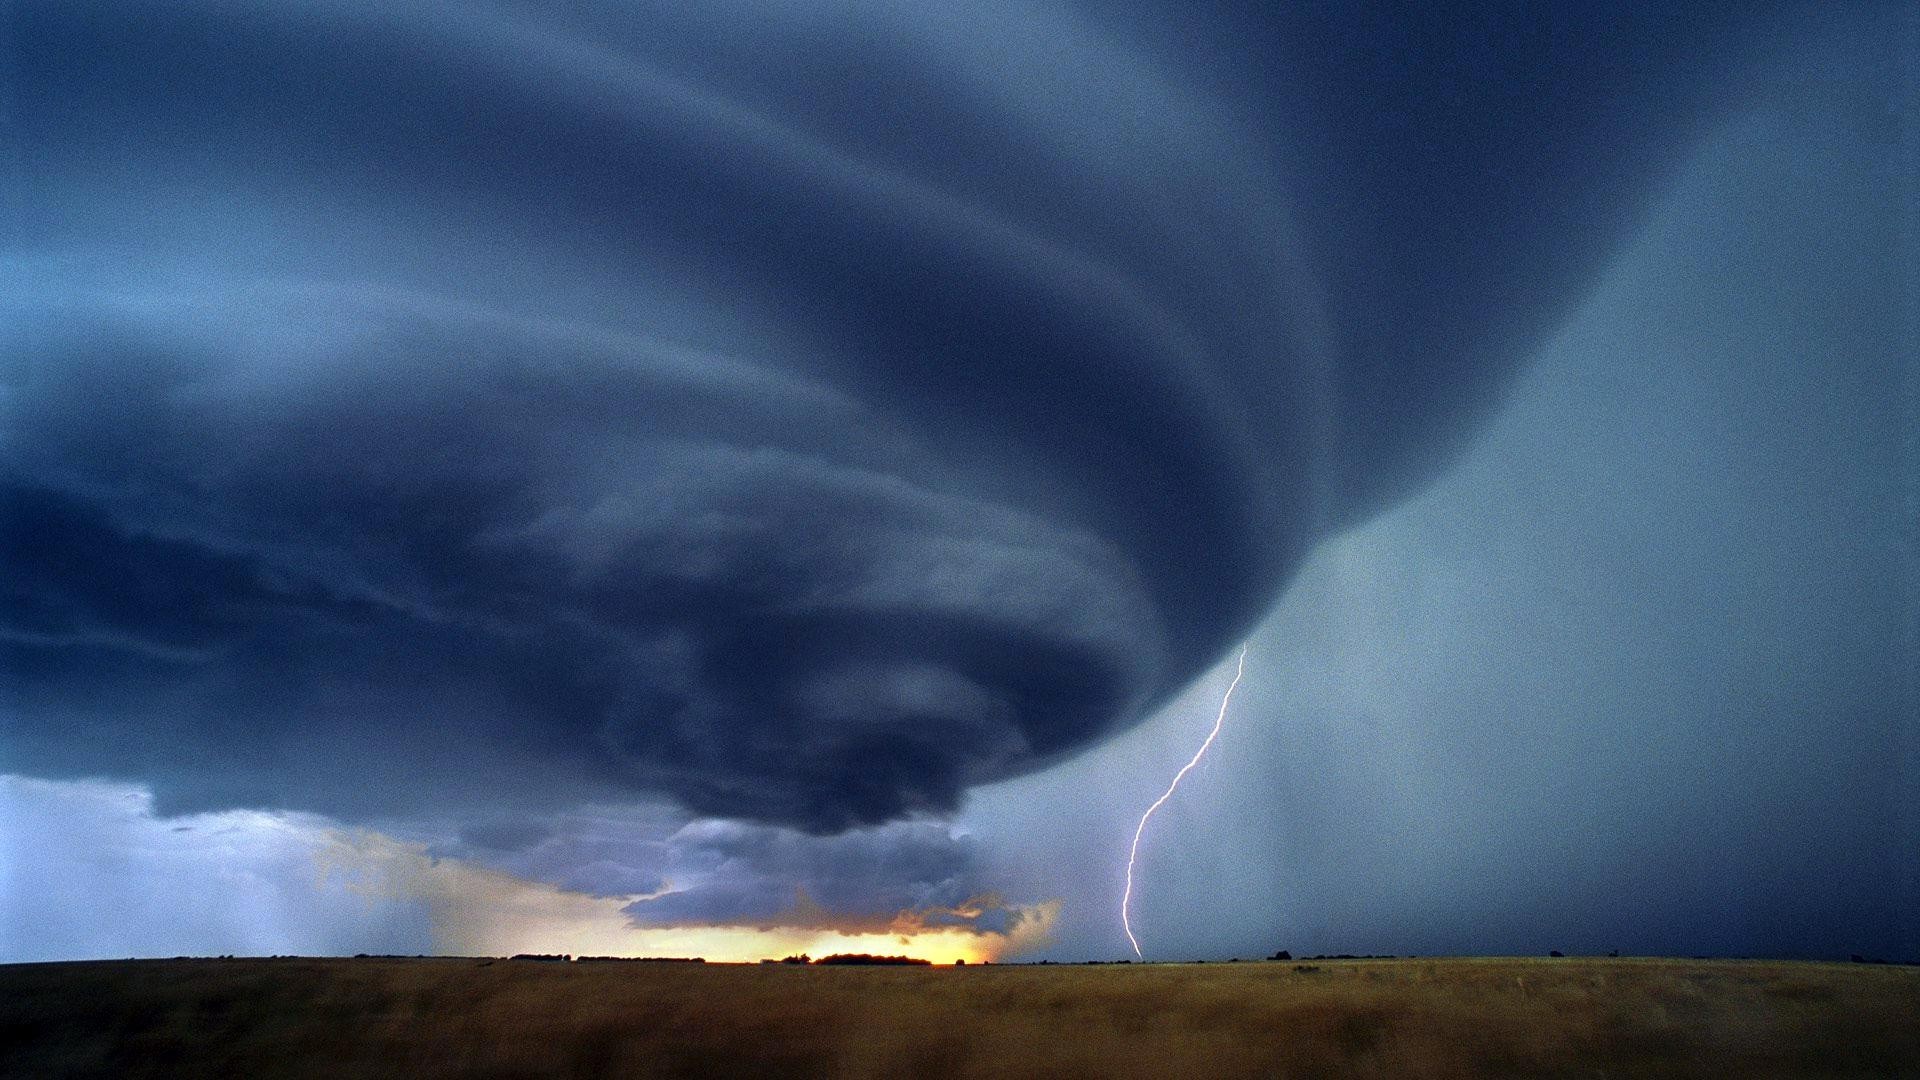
(806, 412)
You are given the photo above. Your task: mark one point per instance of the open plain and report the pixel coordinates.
(448, 1017)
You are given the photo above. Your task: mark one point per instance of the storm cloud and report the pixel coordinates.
(806, 412)
(671, 871)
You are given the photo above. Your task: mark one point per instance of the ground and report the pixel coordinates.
(424, 1018)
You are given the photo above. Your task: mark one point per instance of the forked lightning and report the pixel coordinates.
(1126, 898)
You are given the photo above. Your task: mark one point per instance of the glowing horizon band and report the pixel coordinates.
(1126, 898)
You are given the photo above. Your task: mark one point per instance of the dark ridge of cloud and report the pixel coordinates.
(681, 872)
(805, 414)
(739, 874)
(504, 835)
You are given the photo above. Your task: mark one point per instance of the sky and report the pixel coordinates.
(610, 479)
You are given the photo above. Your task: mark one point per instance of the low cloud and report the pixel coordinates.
(480, 910)
(669, 872)
(94, 871)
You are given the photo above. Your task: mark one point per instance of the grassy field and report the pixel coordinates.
(1367, 1018)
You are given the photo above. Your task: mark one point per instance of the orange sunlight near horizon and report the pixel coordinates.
(478, 911)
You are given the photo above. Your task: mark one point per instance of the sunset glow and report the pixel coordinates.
(478, 911)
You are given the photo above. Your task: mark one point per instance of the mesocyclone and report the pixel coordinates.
(807, 411)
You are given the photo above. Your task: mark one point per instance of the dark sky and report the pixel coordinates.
(624, 449)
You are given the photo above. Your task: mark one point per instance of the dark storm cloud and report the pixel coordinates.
(808, 412)
(757, 876)
(680, 872)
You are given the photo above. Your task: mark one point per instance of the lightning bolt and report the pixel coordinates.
(1126, 898)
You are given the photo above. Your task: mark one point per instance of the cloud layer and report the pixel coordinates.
(903, 880)
(92, 872)
(804, 412)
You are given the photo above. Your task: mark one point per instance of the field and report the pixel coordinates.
(427, 1018)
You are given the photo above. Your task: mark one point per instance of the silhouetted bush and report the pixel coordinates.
(868, 958)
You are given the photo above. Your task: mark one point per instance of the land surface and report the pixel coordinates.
(423, 1018)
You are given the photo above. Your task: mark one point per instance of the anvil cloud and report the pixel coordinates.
(806, 412)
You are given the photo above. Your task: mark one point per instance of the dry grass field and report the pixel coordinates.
(1368, 1018)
